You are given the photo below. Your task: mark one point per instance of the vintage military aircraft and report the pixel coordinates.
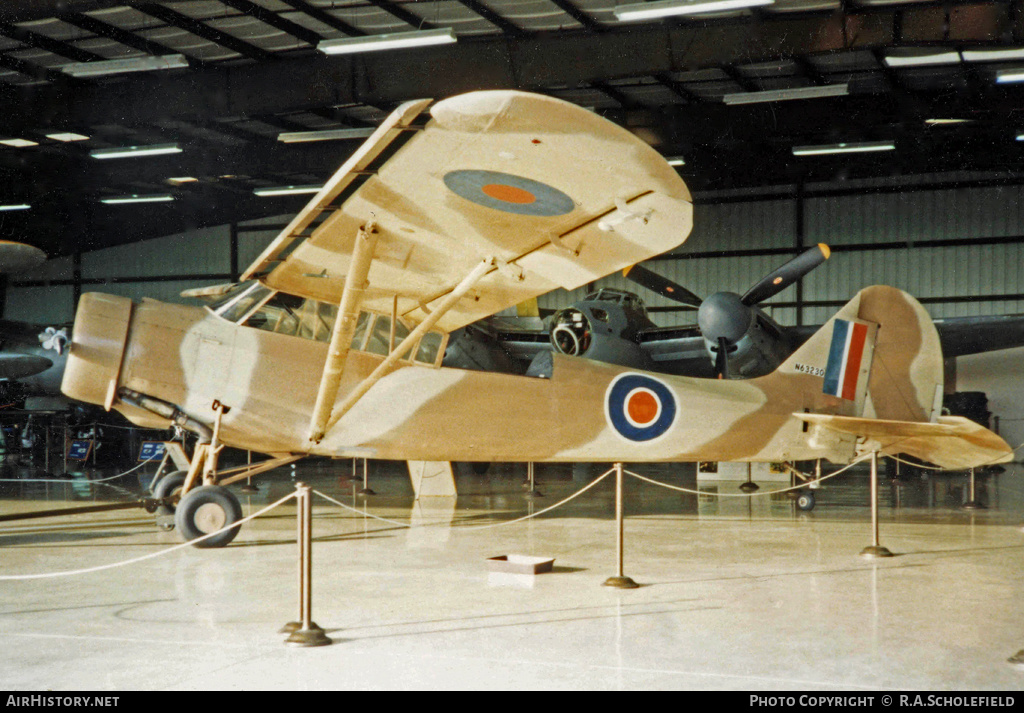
(613, 326)
(332, 345)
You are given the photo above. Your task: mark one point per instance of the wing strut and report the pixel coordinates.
(344, 328)
(485, 266)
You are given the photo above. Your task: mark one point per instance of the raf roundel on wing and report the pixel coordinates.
(509, 193)
(639, 407)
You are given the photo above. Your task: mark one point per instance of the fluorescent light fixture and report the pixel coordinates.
(775, 95)
(669, 8)
(15, 206)
(286, 191)
(992, 55)
(178, 180)
(921, 59)
(67, 136)
(1020, 137)
(133, 151)
(18, 143)
(389, 41)
(124, 66)
(135, 198)
(1009, 76)
(944, 122)
(299, 137)
(676, 161)
(861, 147)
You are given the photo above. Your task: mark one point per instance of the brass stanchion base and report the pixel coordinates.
(533, 494)
(313, 636)
(1017, 660)
(249, 488)
(749, 487)
(620, 583)
(973, 505)
(365, 491)
(873, 551)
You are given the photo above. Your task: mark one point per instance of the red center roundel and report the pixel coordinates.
(642, 406)
(508, 194)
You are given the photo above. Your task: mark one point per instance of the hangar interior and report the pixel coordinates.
(746, 593)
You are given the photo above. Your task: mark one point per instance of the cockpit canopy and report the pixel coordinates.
(254, 305)
(628, 300)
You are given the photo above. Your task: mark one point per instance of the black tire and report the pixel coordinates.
(207, 509)
(169, 486)
(805, 501)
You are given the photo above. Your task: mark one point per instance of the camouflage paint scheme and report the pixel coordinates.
(629, 206)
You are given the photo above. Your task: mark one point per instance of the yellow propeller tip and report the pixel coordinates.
(825, 250)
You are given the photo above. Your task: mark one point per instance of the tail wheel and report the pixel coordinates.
(208, 509)
(169, 486)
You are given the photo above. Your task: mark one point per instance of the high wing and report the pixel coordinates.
(552, 194)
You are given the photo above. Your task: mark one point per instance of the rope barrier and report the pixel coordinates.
(190, 543)
(747, 495)
(100, 481)
(474, 527)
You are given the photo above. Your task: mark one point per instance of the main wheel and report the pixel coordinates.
(169, 486)
(207, 509)
(805, 501)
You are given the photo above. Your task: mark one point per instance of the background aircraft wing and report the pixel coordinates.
(559, 195)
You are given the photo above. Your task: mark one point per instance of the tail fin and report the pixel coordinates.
(878, 357)
(881, 381)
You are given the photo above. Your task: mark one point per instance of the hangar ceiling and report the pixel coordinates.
(922, 75)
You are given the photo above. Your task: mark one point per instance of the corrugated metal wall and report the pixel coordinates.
(879, 238)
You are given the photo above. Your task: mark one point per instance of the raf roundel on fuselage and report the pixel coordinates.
(640, 408)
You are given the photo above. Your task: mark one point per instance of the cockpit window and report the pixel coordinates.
(309, 319)
(246, 300)
(279, 314)
(429, 346)
(380, 337)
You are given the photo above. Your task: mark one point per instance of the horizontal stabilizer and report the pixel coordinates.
(953, 442)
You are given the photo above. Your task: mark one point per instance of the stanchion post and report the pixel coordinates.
(366, 480)
(304, 632)
(620, 580)
(875, 549)
(532, 491)
(973, 503)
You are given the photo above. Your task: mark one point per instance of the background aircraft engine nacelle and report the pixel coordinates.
(571, 332)
(97, 348)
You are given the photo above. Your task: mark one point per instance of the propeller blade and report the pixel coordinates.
(663, 286)
(786, 275)
(722, 358)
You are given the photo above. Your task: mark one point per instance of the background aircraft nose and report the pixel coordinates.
(97, 348)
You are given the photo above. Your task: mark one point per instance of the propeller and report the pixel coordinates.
(725, 317)
(663, 286)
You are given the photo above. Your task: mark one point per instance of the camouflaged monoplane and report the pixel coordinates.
(332, 344)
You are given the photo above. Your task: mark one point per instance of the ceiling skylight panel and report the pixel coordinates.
(256, 33)
(125, 18)
(370, 19)
(536, 15)
(448, 13)
(185, 42)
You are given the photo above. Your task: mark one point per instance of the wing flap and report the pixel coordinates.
(954, 442)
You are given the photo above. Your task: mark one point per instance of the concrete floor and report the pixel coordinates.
(746, 594)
